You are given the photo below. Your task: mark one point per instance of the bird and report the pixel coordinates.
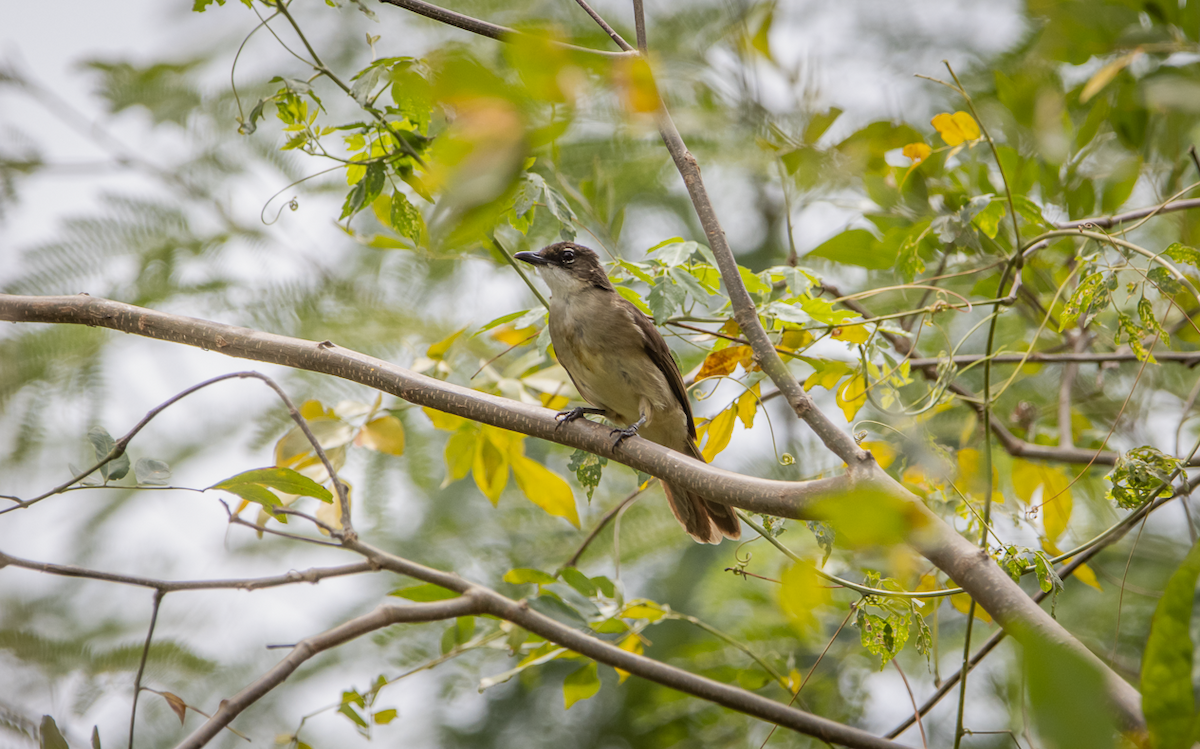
(621, 365)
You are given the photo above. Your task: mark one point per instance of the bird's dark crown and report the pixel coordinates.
(575, 259)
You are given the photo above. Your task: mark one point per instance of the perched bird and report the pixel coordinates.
(621, 365)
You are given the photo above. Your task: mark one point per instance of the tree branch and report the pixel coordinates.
(782, 498)
(483, 28)
(385, 615)
(313, 575)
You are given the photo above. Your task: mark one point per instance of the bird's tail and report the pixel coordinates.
(705, 520)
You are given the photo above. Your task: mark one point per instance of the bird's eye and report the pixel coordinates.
(568, 257)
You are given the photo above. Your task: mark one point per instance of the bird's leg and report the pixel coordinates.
(626, 433)
(565, 417)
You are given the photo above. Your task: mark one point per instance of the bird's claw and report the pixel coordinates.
(623, 434)
(566, 417)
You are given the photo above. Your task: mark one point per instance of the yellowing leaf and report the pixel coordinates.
(385, 435)
(438, 350)
(331, 514)
(635, 81)
(313, 409)
(1026, 478)
(827, 374)
(747, 405)
(720, 429)
(852, 333)
(970, 475)
(581, 685)
(649, 611)
(956, 128)
(723, 362)
(962, 602)
(1056, 503)
(383, 717)
(460, 455)
(884, 453)
(918, 152)
(178, 706)
(1085, 575)
(632, 644)
(632, 297)
(852, 395)
(1105, 75)
(545, 488)
(792, 339)
(513, 337)
(800, 595)
(490, 468)
(444, 421)
(554, 402)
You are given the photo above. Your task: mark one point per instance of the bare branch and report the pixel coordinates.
(782, 498)
(483, 28)
(385, 615)
(313, 575)
(1189, 358)
(137, 680)
(624, 45)
(600, 525)
(741, 700)
(1107, 222)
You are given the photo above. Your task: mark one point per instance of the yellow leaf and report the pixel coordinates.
(354, 171)
(723, 362)
(852, 395)
(382, 208)
(956, 128)
(852, 333)
(1026, 478)
(635, 81)
(1056, 503)
(511, 336)
(649, 611)
(438, 350)
(581, 685)
(827, 375)
(1085, 575)
(331, 513)
(632, 644)
(490, 468)
(962, 602)
(460, 455)
(1105, 75)
(747, 405)
(545, 488)
(315, 410)
(792, 340)
(444, 421)
(800, 595)
(385, 435)
(918, 152)
(884, 453)
(720, 429)
(554, 402)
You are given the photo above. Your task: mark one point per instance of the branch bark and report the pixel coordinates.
(969, 566)
(385, 615)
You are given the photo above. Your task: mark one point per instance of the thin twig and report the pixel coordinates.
(624, 45)
(604, 521)
(137, 680)
(913, 699)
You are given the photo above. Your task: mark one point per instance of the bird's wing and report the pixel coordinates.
(660, 354)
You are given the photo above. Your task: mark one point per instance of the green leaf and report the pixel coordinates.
(825, 536)
(405, 218)
(103, 445)
(673, 252)
(285, 480)
(988, 220)
(588, 468)
(605, 586)
(855, 247)
(1167, 699)
(49, 737)
(556, 608)
(752, 679)
(581, 685)
(578, 581)
(1048, 579)
(152, 472)
(664, 299)
(95, 737)
(819, 123)
(1138, 473)
(1162, 278)
(632, 297)
(1181, 253)
(350, 713)
(424, 593)
(200, 6)
(1091, 296)
(383, 717)
(525, 576)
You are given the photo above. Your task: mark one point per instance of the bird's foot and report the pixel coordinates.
(624, 434)
(566, 417)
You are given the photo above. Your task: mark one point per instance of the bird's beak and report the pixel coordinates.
(532, 258)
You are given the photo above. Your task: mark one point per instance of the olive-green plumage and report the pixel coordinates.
(621, 365)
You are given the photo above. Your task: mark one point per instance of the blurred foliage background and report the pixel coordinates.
(295, 207)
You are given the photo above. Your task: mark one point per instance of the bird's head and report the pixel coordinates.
(568, 268)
